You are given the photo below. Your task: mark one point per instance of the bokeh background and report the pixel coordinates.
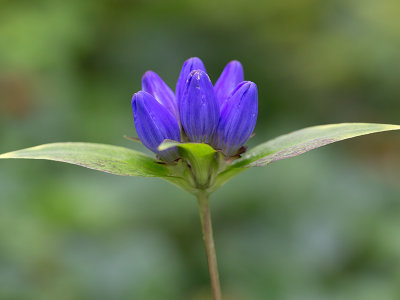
(325, 225)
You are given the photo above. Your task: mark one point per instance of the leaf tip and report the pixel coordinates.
(6, 155)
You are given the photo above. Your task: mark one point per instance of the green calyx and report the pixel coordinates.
(199, 166)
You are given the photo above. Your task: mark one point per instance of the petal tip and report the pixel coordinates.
(194, 60)
(148, 73)
(235, 63)
(198, 74)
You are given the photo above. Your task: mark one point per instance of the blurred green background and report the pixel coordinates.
(325, 225)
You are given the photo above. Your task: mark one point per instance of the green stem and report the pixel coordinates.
(204, 209)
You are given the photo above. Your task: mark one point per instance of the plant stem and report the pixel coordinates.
(204, 209)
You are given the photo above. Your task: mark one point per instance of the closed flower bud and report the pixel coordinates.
(154, 123)
(199, 109)
(189, 65)
(230, 77)
(155, 86)
(238, 119)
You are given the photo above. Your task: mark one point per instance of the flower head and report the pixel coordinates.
(223, 116)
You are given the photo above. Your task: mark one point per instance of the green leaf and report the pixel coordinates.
(105, 158)
(304, 140)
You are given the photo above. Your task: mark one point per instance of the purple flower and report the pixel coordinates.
(190, 65)
(154, 123)
(238, 119)
(230, 77)
(198, 107)
(155, 86)
(223, 115)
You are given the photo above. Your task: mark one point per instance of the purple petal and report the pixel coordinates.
(199, 108)
(189, 65)
(155, 86)
(238, 119)
(154, 123)
(230, 77)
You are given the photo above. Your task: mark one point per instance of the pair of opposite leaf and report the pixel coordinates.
(198, 132)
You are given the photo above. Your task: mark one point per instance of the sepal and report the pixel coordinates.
(203, 161)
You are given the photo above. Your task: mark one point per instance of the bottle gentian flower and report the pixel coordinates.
(223, 116)
(198, 134)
